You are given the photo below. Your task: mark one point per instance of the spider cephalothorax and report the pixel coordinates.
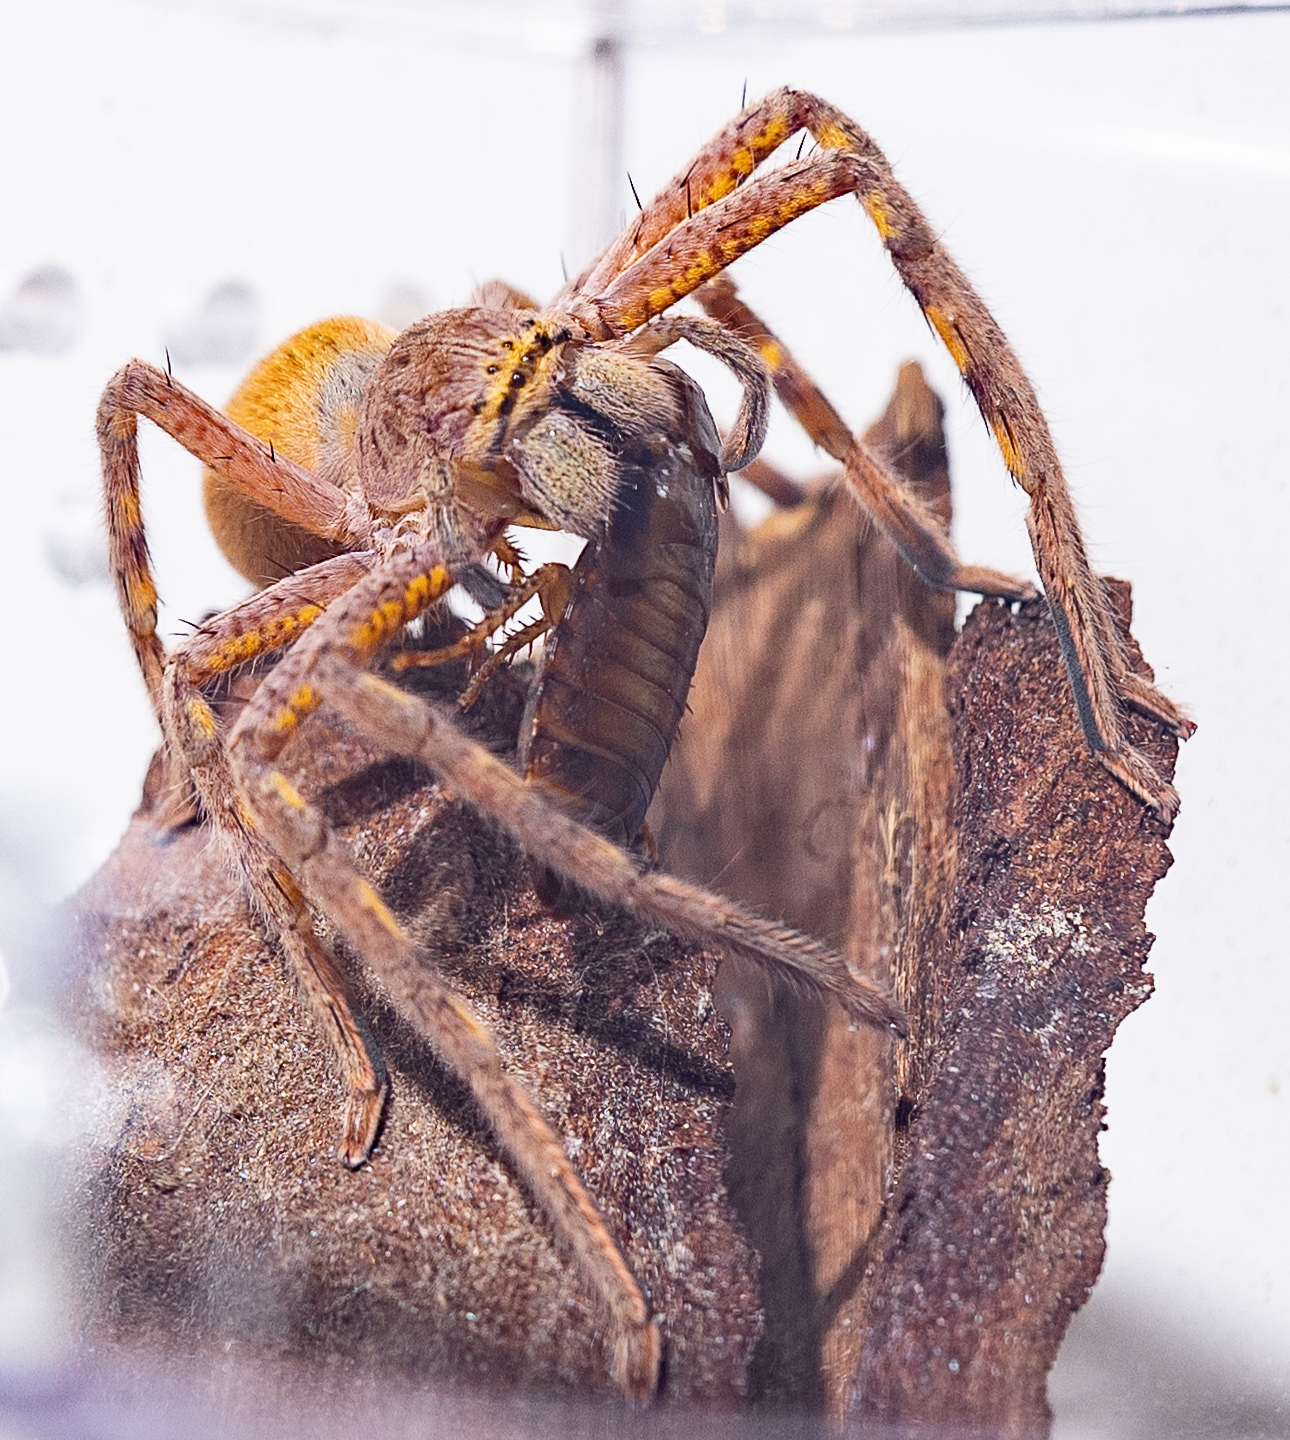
(378, 471)
(477, 415)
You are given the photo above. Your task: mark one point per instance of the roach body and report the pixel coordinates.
(616, 670)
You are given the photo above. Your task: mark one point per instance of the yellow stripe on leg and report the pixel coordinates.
(378, 910)
(392, 615)
(272, 635)
(831, 136)
(950, 337)
(1008, 448)
(302, 701)
(744, 160)
(287, 792)
(202, 718)
(876, 209)
(471, 1021)
(128, 512)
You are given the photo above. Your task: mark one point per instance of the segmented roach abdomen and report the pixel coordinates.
(616, 670)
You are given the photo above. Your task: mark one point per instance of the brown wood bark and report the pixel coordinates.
(993, 1237)
(812, 779)
(998, 875)
(211, 1215)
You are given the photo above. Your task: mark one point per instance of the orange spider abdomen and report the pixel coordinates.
(302, 399)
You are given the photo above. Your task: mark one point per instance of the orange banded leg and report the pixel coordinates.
(357, 629)
(773, 483)
(331, 662)
(270, 620)
(911, 526)
(724, 163)
(553, 584)
(245, 462)
(713, 213)
(267, 622)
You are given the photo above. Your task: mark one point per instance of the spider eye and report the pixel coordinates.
(517, 378)
(492, 369)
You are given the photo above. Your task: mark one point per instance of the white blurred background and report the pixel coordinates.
(209, 175)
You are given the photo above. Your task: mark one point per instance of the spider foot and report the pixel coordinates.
(1137, 774)
(1143, 697)
(638, 1357)
(977, 579)
(363, 1112)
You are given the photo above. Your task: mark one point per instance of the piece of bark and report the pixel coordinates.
(1000, 883)
(811, 779)
(994, 1235)
(211, 1216)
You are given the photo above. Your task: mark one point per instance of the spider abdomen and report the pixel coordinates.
(302, 399)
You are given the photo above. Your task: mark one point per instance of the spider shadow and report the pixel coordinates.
(462, 891)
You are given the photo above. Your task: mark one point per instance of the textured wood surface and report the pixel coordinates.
(994, 1235)
(212, 1213)
(811, 779)
(927, 1227)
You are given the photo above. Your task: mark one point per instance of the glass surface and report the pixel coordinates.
(210, 177)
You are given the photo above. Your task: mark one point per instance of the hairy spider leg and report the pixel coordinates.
(910, 524)
(354, 631)
(748, 433)
(552, 584)
(330, 661)
(268, 622)
(244, 463)
(713, 213)
(875, 483)
(262, 625)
